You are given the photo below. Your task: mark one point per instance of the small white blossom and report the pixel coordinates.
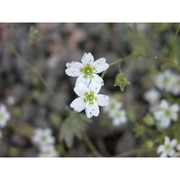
(43, 137)
(165, 113)
(168, 148)
(87, 70)
(152, 96)
(115, 112)
(4, 116)
(113, 106)
(89, 99)
(165, 81)
(119, 118)
(48, 151)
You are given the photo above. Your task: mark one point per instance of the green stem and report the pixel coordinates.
(117, 62)
(91, 146)
(32, 68)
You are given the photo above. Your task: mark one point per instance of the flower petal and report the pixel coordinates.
(81, 89)
(172, 153)
(92, 110)
(100, 65)
(166, 140)
(82, 79)
(73, 69)
(164, 104)
(94, 86)
(173, 143)
(164, 123)
(87, 58)
(98, 79)
(102, 100)
(78, 105)
(174, 108)
(164, 154)
(160, 149)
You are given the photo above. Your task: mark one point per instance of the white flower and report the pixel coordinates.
(113, 106)
(87, 70)
(165, 113)
(89, 99)
(4, 116)
(115, 112)
(119, 118)
(168, 148)
(152, 96)
(165, 80)
(176, 86)
(43, 137)
(48, 151)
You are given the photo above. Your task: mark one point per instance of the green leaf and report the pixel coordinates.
(149, 120)
(74, 126)
(121, 81)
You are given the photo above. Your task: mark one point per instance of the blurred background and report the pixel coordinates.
(37, 92)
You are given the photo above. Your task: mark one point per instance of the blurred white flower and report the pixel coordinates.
(115, 112)
(87, 70)
(165, 113)
(43, 137)
(165, 80)
(113, 106)
(152, 96)
(168, 148)
(176, 86)
(119, 118)
(4, 115)
(48, 151)
(89, 99)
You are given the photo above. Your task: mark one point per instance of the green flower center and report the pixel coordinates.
(1, 117)
(43, 138)
(88, 70)
(166, 80)
(168, 112)
(168, 148)
(118, 115)
(90, 97)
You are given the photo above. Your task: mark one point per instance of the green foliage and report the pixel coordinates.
(149, 120)
(14, 151)
(121, 81)
(33, 34)
(73, 126)
(56, 120)
(139, 129)
(148, 144)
